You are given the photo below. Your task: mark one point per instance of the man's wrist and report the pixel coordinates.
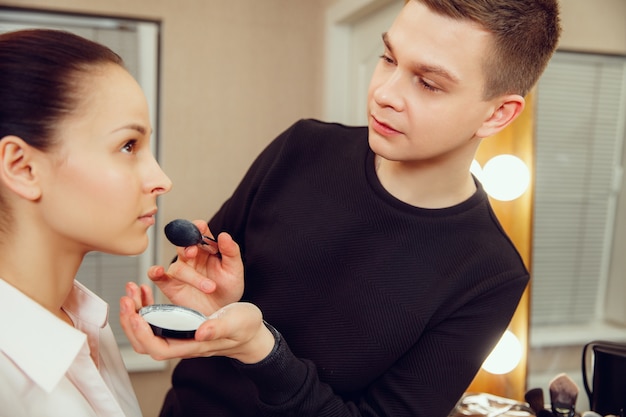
(262, 345)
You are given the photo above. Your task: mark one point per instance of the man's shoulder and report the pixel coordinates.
(318, 134)
(328, 128)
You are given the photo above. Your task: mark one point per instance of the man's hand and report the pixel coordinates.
(236, 331)
(201, 278)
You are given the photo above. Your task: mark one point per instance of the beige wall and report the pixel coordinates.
(235, 73)
(594, 26)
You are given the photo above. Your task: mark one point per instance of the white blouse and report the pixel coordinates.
(48, 368)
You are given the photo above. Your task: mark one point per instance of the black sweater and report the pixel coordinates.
(385, 309)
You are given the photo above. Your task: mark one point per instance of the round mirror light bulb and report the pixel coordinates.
(505, 356)
(505, 177)
(476, 170)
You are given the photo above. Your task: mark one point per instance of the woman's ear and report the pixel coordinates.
(510, 106)
(17, 171)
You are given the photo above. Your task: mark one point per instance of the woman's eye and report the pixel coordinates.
(130, 146)
(387, 59)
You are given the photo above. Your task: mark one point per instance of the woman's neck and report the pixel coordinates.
(41, 271)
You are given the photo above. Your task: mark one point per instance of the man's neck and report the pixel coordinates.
(424, 185)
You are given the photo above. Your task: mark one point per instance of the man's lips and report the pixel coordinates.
(382, 127)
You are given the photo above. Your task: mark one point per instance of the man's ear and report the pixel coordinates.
(17, 171)
(510, 106)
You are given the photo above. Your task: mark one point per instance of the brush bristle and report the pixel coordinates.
(534, 398)
(563, 394)
(182, 233)
(563, 389)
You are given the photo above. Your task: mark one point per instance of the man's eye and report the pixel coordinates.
(387, 59)
(427, 86)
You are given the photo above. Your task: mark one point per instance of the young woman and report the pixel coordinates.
(76, 175)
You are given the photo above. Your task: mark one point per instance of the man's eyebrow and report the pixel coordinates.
(424, 68)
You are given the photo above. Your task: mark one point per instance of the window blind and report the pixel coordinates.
(579, 139)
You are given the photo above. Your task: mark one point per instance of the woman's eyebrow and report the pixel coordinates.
(134, 126)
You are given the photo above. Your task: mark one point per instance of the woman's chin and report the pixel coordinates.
(129, 247)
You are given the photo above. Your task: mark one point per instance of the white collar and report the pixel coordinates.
(40, 343)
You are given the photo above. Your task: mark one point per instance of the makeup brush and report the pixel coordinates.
(184, 233)
(563, 395)
(534, 398)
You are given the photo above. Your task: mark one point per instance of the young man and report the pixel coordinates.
(373, 252)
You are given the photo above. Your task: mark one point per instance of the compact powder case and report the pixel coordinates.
(173, 321)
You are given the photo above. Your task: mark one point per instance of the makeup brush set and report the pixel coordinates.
(563, 393)
(605, 363)
(563, 396)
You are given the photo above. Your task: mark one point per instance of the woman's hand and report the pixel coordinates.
(236, 331)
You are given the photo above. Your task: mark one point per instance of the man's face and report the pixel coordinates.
(425, 98)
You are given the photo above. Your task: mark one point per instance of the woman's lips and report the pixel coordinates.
(148, 218)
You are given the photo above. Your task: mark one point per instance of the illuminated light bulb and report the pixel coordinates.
(477, 170)
(505, 177)
(505, 356)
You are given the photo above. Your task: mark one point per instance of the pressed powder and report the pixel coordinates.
(169, 320)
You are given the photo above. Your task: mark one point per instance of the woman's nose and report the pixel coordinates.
(158, 183)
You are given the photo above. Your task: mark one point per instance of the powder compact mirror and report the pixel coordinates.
(172, 321)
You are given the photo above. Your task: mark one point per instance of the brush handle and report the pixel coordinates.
(563, 410)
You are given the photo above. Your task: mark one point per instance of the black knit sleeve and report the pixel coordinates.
(280, 375)
(426, 382)
(231, 217)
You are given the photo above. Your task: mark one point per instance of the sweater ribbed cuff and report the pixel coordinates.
(279, 376)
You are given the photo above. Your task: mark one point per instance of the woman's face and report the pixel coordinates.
(101, 183)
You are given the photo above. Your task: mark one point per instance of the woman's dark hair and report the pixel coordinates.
(39, 73)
